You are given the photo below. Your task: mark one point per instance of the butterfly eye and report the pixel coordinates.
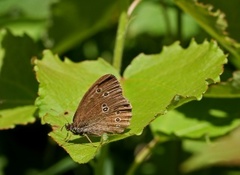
(98, 90)
(105, 109)
(118, 112)
(105, 94)
(104, 105)
(117, 119)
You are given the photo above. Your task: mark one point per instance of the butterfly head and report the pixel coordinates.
(75, 130)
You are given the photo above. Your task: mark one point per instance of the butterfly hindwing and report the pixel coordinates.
(103, 109)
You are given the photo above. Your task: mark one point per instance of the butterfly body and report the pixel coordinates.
(103, 109)
(76, 130)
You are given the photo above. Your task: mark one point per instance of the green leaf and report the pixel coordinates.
(25, 17)
(18, 86)
(20, 115)
(229, 89)
(62, 85)
(209, 117)
(224, 151)
(177, 75)
(214, 23)
(150, 84)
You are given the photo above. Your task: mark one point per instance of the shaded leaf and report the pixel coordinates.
(81, 19)
(15, 116)
(25, 17)
(214, 23)
(207, 118)
(18, 86)
(229, 89)
(224, 151)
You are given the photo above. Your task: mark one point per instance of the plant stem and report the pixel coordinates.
(119, 44)
(103, 164)
(141, 156)
(121, 32)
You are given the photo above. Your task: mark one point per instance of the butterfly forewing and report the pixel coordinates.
(103, 109)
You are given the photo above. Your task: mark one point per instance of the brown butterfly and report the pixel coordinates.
(103, 109)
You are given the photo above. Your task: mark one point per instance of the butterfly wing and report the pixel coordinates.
(103, 109)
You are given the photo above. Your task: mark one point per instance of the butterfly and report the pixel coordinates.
(103, 109)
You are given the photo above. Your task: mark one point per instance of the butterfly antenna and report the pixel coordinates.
(67, 138)
(64, 116)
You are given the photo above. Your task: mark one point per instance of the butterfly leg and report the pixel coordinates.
(89, 140)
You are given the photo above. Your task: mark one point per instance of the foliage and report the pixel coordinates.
(171, 60)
